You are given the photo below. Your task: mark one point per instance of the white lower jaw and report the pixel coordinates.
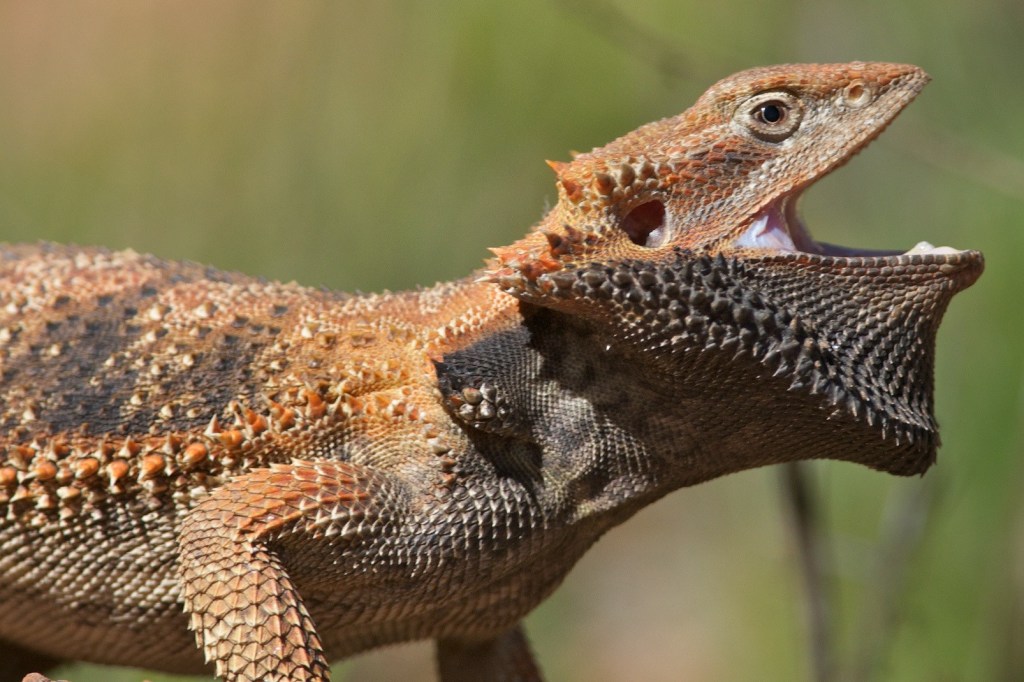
(925, 247)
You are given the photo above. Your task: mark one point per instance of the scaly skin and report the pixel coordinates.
(296, 475)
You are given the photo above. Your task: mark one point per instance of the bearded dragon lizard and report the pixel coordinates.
(197, 464)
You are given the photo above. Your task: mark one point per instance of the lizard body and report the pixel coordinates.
(297, 475)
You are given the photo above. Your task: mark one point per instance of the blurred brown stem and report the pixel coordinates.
(799, 493)
(621, 29)
(966, 158)
(902, 528)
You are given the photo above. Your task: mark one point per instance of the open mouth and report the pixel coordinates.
(778, 228)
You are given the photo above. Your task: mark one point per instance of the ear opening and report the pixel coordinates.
(645, 224)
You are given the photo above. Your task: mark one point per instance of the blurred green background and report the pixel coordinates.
(379, 145)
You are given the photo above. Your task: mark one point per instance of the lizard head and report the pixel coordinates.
(681, 240)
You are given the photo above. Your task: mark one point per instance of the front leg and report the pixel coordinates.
(505, 658)
(247, 614)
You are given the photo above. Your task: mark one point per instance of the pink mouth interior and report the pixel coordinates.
(778, 228)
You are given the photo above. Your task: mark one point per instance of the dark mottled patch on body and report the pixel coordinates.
(123, 382)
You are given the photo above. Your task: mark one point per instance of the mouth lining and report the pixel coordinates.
(778, 229)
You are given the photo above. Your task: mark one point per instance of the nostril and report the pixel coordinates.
(857, 94)
(644, 224)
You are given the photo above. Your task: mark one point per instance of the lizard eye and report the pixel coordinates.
(771, 116)
(771, 113)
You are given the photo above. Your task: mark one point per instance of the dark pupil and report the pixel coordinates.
(771, 113)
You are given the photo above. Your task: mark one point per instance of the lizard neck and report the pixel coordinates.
(557, 405)
(448, 316)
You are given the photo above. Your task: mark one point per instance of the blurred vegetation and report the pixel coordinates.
(381, 145)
